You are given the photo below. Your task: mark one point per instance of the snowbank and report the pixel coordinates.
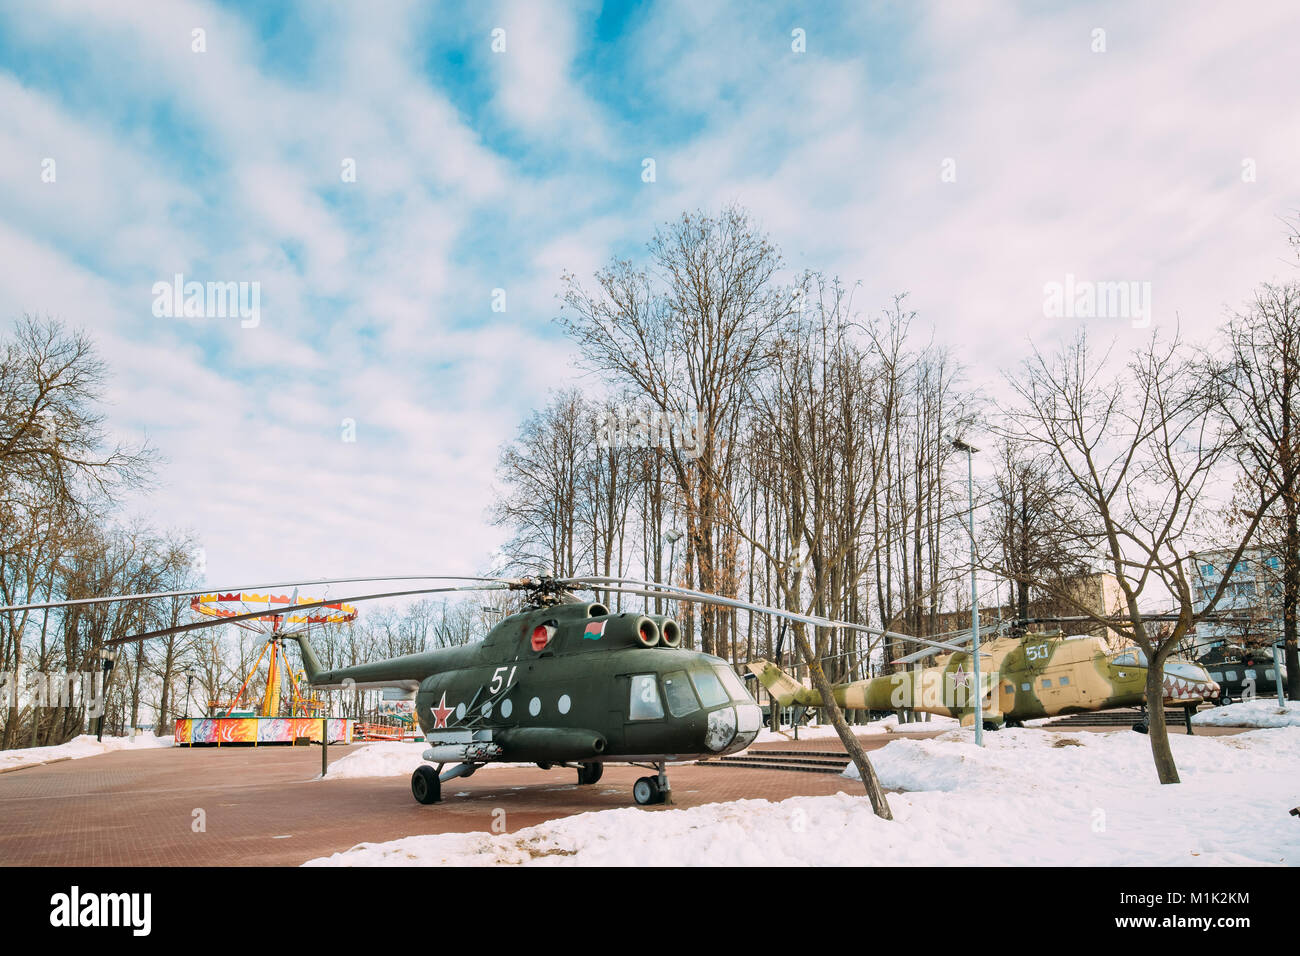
(388, 758)
(886, 725)
(84, 746)
(1260, 712)
(1029, 798)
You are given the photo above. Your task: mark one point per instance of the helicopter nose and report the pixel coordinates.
(1185, 688)
(733, 728)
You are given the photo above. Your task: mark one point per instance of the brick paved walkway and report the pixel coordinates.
(264, 806)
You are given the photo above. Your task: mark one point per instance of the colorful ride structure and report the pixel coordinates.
(284, 713)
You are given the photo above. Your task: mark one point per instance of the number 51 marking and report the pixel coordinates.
(497, 678)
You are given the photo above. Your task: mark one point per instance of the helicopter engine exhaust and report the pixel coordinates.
(670, 635)
(632, 630)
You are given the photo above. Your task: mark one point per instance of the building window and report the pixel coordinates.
(1207, 570)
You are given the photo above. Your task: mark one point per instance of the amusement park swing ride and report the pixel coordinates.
(288, 710)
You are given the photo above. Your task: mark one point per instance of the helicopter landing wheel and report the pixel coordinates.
(589, 773)
(425, 785)
(646, 791)
(1223, 701)
(1142, 727)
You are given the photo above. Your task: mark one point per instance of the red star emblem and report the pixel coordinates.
(441, 713)
(960, 677)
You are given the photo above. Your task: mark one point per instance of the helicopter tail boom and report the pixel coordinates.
(781, 685)
(310, 663)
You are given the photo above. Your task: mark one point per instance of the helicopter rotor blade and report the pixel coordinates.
(199, 625)
(280, 618)
(962, 637)
(77, 602)
(653, 589)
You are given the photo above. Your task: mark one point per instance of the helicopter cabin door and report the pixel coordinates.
(642, 713)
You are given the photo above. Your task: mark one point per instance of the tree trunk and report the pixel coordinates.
(870, 782)
(1166, 769)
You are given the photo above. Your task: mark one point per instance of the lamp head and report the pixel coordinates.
(961, 445)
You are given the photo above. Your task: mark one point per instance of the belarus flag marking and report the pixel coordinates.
(595, 630)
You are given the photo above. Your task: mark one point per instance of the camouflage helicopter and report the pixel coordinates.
(562, 682)
(1025, 677)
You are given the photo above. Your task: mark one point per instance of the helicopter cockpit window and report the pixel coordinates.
(732, 683)
(709, 688)
(1186, 669)
(1127, 658)
(645, 703)
(681, 699)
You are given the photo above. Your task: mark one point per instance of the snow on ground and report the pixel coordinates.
(388, 758)
(84, 746)
(886, 725)
(1028, 798)
(1260, 712)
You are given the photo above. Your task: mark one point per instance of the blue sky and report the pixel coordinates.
(480, 170)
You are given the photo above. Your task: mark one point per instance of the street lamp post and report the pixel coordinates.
(189, 682)
(108, 656)
(970, 450)
(672, 536)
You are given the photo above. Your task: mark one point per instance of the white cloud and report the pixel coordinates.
(376, 295)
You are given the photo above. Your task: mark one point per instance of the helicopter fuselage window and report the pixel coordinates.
(645, 703)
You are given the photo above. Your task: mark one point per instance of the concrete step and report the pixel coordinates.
(798, 760)
(764, 752)
(745, 764)
(1113, 718)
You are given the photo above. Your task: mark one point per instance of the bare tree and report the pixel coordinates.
(51, 433)
(1032, 519)
(1144, 450)
(688, 336)
(541, 470)
(1259, 374)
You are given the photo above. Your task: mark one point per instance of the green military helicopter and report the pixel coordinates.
(563, 682)
(1023, 677)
